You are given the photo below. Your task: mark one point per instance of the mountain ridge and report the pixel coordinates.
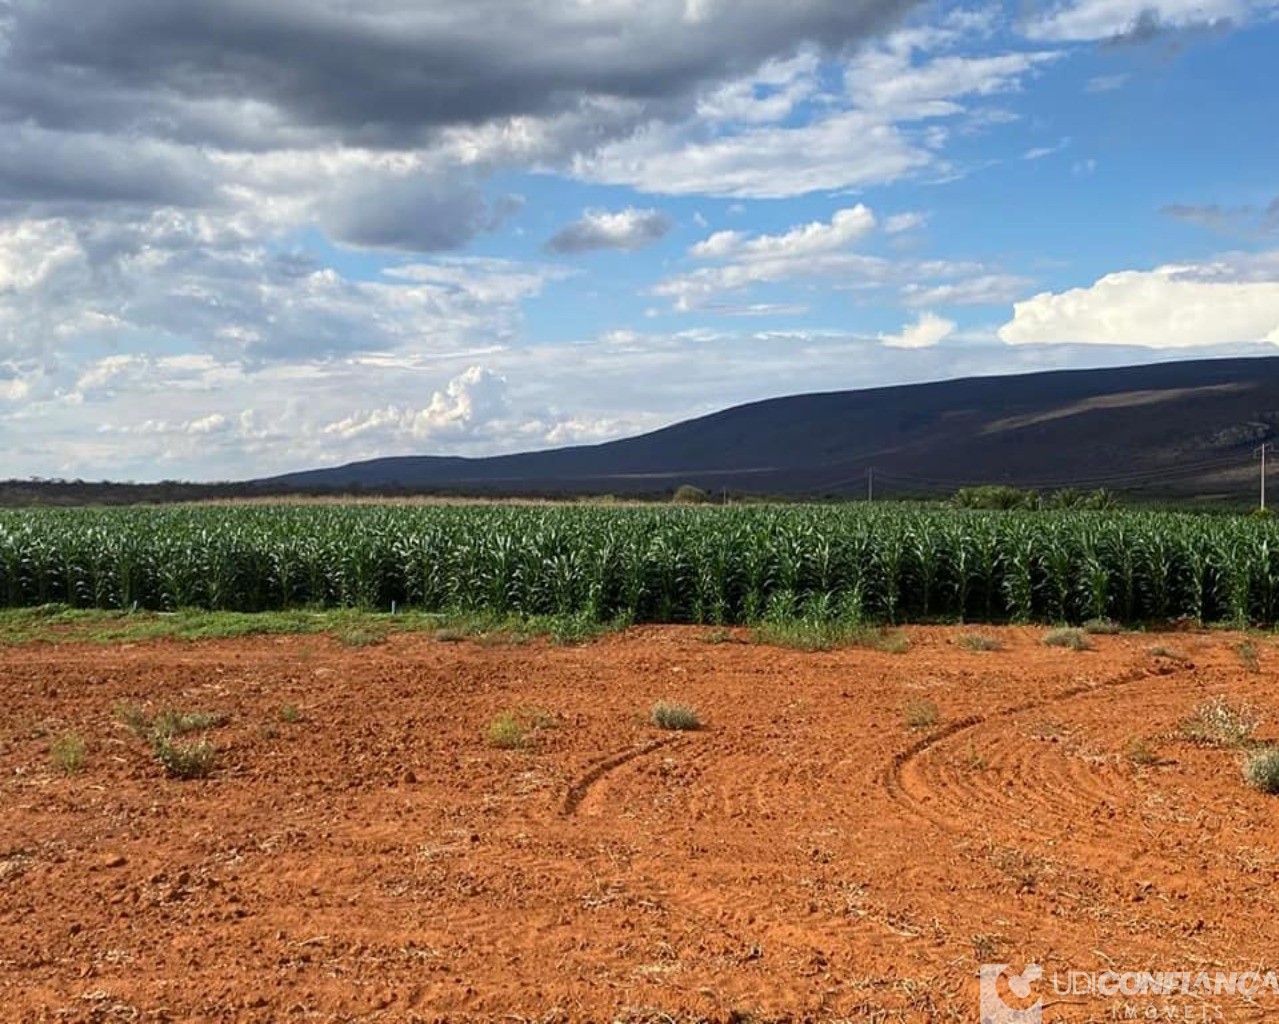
(1180, 428)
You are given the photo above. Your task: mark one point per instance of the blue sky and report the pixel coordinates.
(339, 231)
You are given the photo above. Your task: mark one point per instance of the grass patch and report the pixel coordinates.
(290, 715)
(137, 720)
(186, 760)
(1261, 770)
(820, 635)
(1247, 652)
(668, 715)
(180, 760)
(1219, 723)
(67, 753)
(1160, 651)
(1074, 639)
(506, 732)
(1102, 627)
(977, 642)
(61, 624)
(717, 636)
(921, 714)
(168, 724)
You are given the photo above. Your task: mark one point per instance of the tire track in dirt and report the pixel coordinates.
(895, 776)
(578, 791)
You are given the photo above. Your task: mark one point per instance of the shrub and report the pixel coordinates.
(1075, 639)
(921, 714)
(1139, 751)
(687, 494)
(667, 715)
(1219, 723)
(185, 760)
(169, 723)
(1101, 627)
(506, 733)
(67, 753)
(977, 642)
(1261, 770)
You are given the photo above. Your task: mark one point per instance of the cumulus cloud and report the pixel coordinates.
(808, 249)
(1232, 300)
(926, 332)
(469, 403)
(627, 229)
(164, 282)
(403, 68)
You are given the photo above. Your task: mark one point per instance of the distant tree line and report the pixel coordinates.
(998, 496)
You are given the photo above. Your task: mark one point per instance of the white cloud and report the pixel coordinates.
(470, 404)
(970, 290)
(627, 229)
(926, 332)
(1087, 20)
(900, 222)
(1039, 152)
(840, 150)
(844, 228)
(878, 125)
(813, 249)
(1232, 300)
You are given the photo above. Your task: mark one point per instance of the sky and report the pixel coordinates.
(241, 238)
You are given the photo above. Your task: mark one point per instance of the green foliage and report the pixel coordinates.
(667, 715)
(309, 568)
(687, 494)
(67, 753)
(1261, 770)
(185, 760)
(506, 732)
(995, 496)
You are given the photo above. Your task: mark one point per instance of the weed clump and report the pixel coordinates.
(1219, 723)
(921, 714)
(1074, 639)
(506, 733)
(180, 760)
(185, 760)
(978, 642)
(667, 715)
(67, 753)
(1261, 770)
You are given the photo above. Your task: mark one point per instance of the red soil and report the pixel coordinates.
(806, 856)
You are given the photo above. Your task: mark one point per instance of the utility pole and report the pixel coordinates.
(1262, 452)
(870, 484)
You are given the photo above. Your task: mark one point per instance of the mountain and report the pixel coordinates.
(1177, 429)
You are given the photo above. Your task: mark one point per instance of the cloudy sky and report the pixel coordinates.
(239, 238)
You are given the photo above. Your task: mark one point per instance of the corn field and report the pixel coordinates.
(706, 565)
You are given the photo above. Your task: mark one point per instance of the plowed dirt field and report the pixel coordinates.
(828, 846)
